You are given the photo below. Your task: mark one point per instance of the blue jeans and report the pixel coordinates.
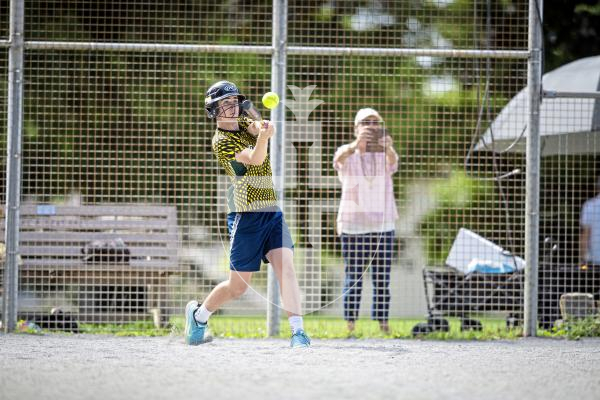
(372, 251)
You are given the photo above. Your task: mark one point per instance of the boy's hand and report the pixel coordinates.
(254, 128)
(266, 129)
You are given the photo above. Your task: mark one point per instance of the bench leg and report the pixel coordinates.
(157, 317)
(156, 300)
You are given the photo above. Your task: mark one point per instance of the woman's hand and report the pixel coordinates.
(363, 137)
(386, 142)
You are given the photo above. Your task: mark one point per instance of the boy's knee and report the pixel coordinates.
(238, 289)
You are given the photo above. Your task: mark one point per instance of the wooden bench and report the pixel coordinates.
(51, 240)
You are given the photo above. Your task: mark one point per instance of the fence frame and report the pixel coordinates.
(13, 165)
(532, 180)
(278, 50)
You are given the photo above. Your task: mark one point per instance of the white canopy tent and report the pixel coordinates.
(568, 125)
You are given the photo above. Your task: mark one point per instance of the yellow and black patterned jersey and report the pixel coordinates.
(251, 185)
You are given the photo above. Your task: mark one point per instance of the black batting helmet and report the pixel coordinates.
(219, 91)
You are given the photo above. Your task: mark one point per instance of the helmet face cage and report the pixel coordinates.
(219, 91)
(220, 109)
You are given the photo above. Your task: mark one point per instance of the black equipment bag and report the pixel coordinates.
(113, 251)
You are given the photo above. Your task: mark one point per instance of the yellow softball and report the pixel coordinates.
(270, 100)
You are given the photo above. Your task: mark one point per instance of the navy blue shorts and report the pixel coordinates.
(253, 235)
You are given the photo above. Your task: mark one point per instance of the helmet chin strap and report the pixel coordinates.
(225, 119)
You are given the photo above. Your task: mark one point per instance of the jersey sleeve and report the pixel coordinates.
(225, 149)
(244, 122)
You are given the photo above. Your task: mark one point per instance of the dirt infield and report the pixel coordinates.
(106, 367)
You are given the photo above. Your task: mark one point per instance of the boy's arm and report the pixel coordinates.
(253, 127)
(257, 155)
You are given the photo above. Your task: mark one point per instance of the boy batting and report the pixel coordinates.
(257, 229)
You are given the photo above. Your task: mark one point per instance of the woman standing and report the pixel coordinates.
(367, 214)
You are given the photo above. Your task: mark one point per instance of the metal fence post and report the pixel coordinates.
(532, 206)
(13, 165)
(278, 82)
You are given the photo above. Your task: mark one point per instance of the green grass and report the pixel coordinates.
(576, 328)
(317, 327)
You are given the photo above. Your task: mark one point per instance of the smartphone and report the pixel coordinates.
(373, 145)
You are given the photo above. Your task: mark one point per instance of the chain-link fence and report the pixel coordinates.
(123, 206)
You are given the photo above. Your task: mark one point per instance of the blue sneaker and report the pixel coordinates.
(300, 339)
(194, 330)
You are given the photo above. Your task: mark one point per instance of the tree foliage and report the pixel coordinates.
(129, 126)
(571, 31)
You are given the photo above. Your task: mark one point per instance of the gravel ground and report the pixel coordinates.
(106, 367)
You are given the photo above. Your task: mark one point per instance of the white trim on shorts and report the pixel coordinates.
(236, 221)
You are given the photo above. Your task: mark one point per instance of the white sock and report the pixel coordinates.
(201, 315)
(296, 323)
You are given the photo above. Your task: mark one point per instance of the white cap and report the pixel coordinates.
(363, 113)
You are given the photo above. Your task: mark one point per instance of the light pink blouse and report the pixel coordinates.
(368, 203)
